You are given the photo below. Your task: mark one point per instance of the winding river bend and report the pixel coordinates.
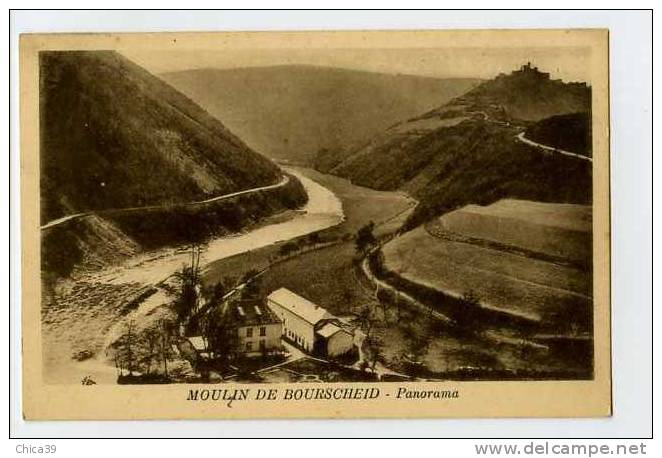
(323, 210)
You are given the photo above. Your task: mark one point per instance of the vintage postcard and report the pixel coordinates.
(364, 224)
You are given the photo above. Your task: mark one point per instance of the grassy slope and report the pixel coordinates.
(292, 111)
(473, 162)
(548, 231)
(113, 135)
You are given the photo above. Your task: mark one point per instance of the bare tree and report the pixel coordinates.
(149, 341)
(164, 349)
(365, 320)
(253, 285)
(189, 278)
(374, 347)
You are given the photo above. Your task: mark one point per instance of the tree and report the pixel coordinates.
(149, 343)
(373, 347)
(253, 285)
(164, 349)
(213, 294)
(220, 332)
(385, 299)
(418, 341)
(126, 358)
(471, 298)
(398, 305)
(187, 293)
(365, 239)
(469, 315)
(154, 348)
(364, 320)
(347, 299)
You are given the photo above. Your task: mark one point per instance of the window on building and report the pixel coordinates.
(263, 331)
(249, 346)
(263, 345)
(249, 332)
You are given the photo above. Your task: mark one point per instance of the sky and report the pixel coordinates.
(566, 63)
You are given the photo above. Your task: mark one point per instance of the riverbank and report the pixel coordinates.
(90, 308)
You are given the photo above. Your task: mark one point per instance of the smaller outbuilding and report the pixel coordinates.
(333, 338)
(309, 326)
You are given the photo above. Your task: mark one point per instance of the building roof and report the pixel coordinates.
(300, 306)
(330, 329)
(198, 343)
(251, 313)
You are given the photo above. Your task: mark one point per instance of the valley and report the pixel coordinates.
(291, 112)
(437, 228)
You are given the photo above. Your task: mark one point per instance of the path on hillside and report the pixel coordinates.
(525, 140)
(284, 180)
(64, 329)
(365, 267)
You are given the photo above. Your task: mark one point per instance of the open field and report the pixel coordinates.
(557, 230)
(505, 266)
(326, 277)
(523, 286)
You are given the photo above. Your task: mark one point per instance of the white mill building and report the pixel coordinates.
(310, 326)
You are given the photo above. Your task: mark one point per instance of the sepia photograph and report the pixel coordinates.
(216, 212)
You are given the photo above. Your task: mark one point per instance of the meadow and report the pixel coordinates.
(556, 230)
(521, 285)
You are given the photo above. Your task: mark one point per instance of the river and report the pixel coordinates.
(323, 210)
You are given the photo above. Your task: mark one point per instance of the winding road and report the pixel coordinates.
(322, 210)
(284, 180)
(412, 301)
(523, 139)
